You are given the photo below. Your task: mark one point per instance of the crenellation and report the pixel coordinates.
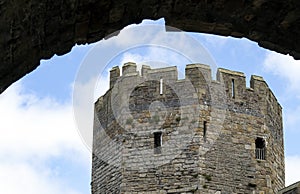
(201, 70)
(229, 72)
(114, 75)
(145, 69)
(200, 76)
(234, 83)
(259, 85)
(226, 121)
(167, 73)
(129, 68)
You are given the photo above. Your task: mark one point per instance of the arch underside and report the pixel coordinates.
(35, 30)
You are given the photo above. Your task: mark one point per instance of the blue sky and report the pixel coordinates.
(42, 148)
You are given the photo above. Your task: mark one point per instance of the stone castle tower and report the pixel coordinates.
(155, 133)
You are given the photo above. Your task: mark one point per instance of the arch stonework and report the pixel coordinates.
(33, 30)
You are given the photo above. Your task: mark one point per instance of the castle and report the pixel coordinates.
(155, 133)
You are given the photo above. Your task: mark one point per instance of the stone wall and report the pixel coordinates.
(208, 133)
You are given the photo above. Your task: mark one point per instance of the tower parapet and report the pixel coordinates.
(233, 82)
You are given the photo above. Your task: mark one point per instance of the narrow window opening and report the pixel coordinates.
(232, 89)
(204, 130)
(161, 86)
(157, 142)
(260, 148)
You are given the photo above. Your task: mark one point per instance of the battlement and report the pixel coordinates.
(200, 75)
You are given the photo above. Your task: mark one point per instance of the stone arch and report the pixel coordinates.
(35, 30)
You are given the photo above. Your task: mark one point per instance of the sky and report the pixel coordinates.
(47, 116)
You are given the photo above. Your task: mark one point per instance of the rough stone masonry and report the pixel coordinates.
(32, 30)
(155, 133)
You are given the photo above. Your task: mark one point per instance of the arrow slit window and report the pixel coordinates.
(157, 142)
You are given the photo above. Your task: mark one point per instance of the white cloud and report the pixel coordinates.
(40, 126)
(176, 44)
(23, 178)
(156, 58)
(84, 96)
(292, 118)
(214, 40)
(34, 132)
(136, 58)
(284, 66)
(292, 169)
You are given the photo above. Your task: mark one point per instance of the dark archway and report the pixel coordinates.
(32, 30)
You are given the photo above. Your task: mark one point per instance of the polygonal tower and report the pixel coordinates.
(154, 133)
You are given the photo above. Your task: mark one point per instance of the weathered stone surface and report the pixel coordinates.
(32, 30)
(223, 117)
(292, 189)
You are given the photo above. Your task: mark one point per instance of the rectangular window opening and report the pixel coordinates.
(157, 142)
(260, 149)
(204, 130)
(161, 86)
(232, 89)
